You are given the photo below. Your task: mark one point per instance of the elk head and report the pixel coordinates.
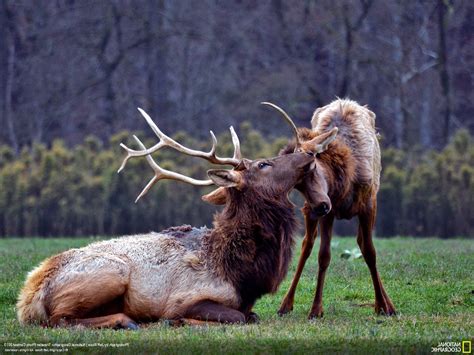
(314, 187)
(273, 177)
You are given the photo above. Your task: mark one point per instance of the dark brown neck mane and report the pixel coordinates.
(251, 243)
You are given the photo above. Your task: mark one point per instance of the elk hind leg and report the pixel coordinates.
(115, 321)
(90, 301)
(383, 304)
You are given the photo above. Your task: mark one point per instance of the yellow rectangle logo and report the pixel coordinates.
(466, 347)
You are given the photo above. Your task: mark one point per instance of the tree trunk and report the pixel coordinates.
(157, 61)
(3, 67)
(425, 116)
(8, 93)
(398, 104)
(443, 70)
(343, 90)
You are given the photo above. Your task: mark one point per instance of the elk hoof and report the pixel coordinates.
(253, 318)
(174, 322)
(388, 311)
(385, 309)
(284, 309)
(284, 312)
(316, 314)
(132, 326)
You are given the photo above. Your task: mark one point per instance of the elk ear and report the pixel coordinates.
(225, 178)
(216, 197)
(320, 143)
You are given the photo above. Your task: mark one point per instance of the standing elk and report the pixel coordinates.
(343, 183)
(183, 274)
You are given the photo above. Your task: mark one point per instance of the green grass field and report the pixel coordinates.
(430, 282)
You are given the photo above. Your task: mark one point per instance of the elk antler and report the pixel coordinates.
(161, 173)
(166, 141)
(287, 119)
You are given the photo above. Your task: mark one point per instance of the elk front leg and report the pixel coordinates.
(211, 311)
(324, 258)
(115, 321)
(311, 232)
(189, 321)
(383, 304)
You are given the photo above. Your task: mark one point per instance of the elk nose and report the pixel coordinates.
(322, 210)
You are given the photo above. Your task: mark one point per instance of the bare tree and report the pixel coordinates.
(72, 69)
(351, 28)
(10, 75)
(443, 8)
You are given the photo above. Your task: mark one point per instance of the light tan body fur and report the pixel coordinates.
(356, 125)
(157, 276)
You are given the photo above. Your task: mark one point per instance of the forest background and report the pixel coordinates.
(73, 72)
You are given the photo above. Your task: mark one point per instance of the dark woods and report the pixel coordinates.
(69, 69)
(76, 191)
(73, 68)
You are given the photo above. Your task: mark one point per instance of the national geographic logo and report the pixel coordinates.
(464, 347)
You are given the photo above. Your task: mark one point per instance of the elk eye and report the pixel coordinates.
(263, 165)
(311, 154)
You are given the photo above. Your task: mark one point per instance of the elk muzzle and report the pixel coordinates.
(314, 187)
(321, 210)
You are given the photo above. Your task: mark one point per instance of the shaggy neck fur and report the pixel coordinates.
(251, 243)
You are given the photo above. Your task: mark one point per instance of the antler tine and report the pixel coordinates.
(287, 119)
(138, 153)
(161, 173)
(236, 142)
(167, 141)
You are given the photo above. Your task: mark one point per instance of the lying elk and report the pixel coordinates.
(343, 183)
(183, 274)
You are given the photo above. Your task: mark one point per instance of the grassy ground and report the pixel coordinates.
(430, 282)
